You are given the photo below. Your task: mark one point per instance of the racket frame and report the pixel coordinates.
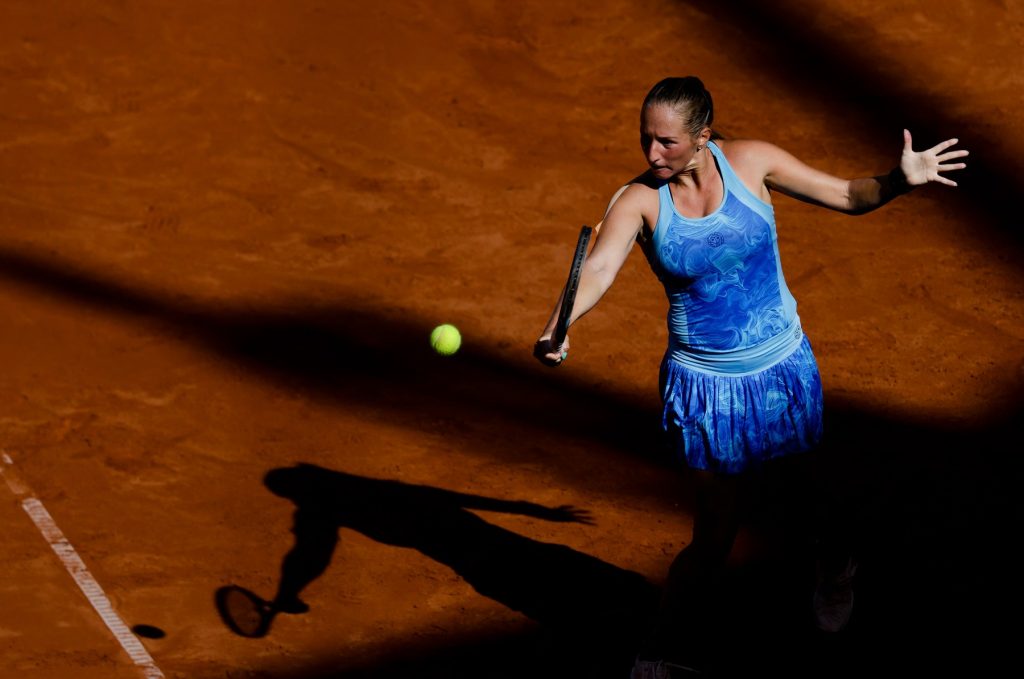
(571, 287)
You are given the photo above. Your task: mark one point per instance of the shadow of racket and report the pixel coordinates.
(243, 612)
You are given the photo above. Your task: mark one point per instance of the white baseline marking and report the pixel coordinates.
(76, 567)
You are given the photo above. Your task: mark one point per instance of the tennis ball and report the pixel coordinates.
(445, 339)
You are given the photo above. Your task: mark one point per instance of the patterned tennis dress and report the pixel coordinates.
(739, 381)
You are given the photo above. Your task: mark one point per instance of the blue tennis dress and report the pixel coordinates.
(739, 382)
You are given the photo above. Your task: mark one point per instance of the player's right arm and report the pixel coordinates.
(615, 239)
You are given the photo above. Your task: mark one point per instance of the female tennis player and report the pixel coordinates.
(739, 382)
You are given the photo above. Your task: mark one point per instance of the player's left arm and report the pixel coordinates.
(785, 173)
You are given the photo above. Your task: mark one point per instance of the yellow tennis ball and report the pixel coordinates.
(445, 339)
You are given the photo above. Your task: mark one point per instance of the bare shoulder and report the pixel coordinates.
(637, 190)
(750, 155)
(640, 202)
(752, 160)
(642, 191)
(642, 182)
(631, 207)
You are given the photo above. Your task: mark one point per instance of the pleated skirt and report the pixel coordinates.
(736, 424)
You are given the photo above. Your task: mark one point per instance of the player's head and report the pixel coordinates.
(675, 125)
(687, 98)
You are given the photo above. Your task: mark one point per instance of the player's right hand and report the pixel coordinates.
(548, 354)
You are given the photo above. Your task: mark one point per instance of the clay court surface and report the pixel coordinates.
(227, 228)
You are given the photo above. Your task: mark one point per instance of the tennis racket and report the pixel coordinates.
(571, 285)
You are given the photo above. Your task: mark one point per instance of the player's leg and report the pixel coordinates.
(812, 520)
(682, 625)
(834, 549)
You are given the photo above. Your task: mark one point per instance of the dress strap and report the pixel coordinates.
(734, 185)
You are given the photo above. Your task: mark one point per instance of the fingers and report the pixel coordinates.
(942, 146)
(543, 353)
(935, 160)
(575, 515)
(550, 360)
(947, 167)
(550, 356)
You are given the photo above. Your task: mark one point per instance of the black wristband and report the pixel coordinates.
(898, 181)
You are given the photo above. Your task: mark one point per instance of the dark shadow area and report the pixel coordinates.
(934, 512)
(934, 506)
(378, 362)
(527, 653)
(581, 602)
(148, 632)
(844, 76)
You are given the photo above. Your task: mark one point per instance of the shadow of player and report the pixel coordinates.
(565, 590)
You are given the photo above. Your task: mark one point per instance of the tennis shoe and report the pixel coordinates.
(833, 597)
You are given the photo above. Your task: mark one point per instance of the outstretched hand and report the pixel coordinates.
(921, 167)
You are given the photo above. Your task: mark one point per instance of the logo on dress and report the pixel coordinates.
(715, 240)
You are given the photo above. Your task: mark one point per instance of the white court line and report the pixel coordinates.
(76, 567)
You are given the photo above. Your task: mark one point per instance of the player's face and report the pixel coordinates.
(666, 143)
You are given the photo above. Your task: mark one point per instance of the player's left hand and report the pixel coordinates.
(921, 167)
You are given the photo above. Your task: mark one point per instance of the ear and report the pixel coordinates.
(705, 136)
